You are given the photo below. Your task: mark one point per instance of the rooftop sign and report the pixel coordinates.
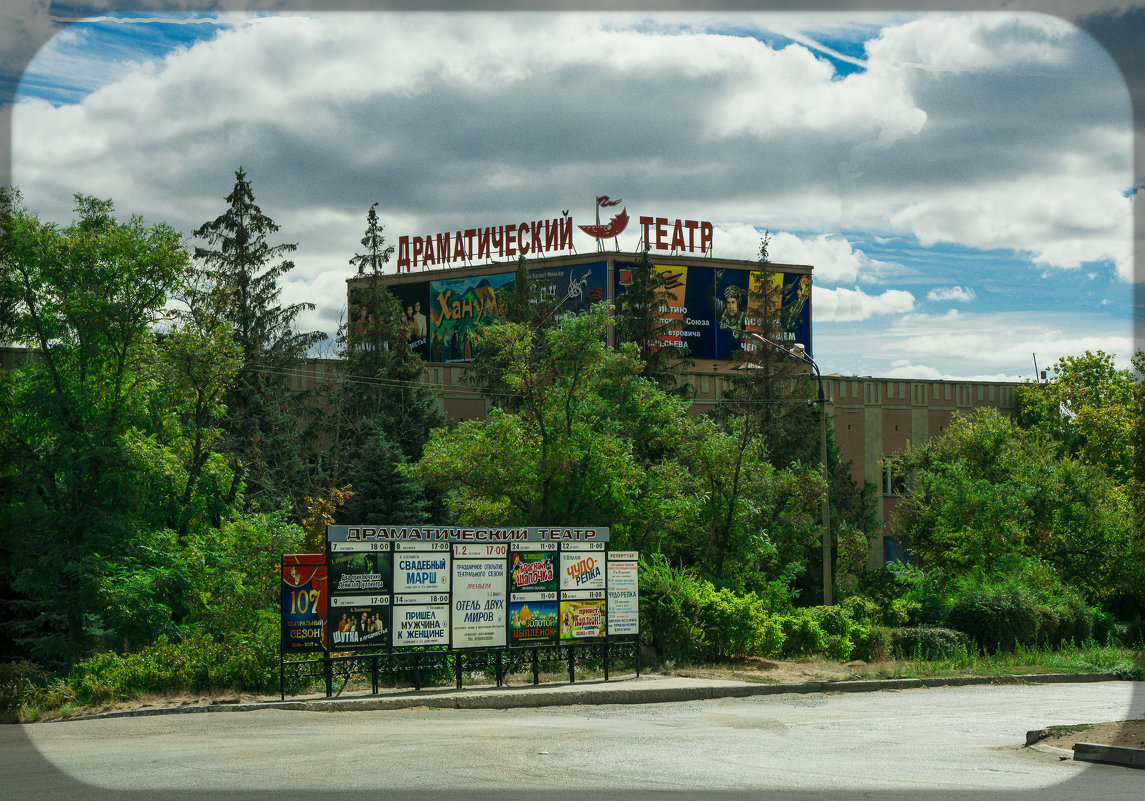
(539, 237)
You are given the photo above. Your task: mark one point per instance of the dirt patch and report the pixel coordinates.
(778, 672)
(1125, 733)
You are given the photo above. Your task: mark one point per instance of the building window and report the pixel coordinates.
(894, 482)
(894, 551)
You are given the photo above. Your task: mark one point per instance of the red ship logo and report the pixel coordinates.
(613, 227)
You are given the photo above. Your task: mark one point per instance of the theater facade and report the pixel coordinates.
(449, 283)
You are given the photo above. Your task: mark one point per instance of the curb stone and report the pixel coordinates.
(1110, 754)
(621, 691)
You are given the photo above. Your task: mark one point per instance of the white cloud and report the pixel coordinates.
(849, 305)
(1059, 221)
(992, 131)
(952, 293)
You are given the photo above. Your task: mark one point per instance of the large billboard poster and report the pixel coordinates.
(532, 622)
(359, 621)
(623, 594)
(303, 603)
(577, 288)
(582, 620)
(479, 595)
(457, 306)
(710, 310)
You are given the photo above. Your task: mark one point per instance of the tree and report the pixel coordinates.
(264, 419)
(87, 477)
(547, 463)
(1087, 407)
(592, 441)
(991, 496)
(772, 403)
(377, 413)
(525, 305)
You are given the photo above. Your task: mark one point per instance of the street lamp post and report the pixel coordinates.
(800, 353)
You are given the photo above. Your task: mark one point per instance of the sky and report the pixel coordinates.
(963, 184)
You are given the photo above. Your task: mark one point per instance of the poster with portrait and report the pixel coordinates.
(303, 611)
(710, 310)
(413, 302)
(359, 621)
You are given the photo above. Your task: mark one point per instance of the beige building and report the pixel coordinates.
(871, 417)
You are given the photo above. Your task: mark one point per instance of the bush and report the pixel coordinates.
(839, 647)
(1131, 635)
(20, 682)
(860, 609)
(689, 620)
(802, 636)
(995, 616)
(927, 642)
(875, 644)
(1103, 627)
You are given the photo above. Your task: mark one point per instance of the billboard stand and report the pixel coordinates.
(328, 673)
(606, 660)
(457, 668)
(536, 669)
(572, 665)
(500, 674)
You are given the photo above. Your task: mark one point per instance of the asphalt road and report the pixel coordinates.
(957, 743)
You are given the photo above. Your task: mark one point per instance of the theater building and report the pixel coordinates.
(713, 307)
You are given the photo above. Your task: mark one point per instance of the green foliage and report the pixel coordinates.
(927, 642)
(688, 619)
(377, 413)
(1086, 407)
(93, 462)
(264, 419)
(559, 459)
(803, 636)
(989, 495)
(197, 664)
(875, 644)
(996, 615)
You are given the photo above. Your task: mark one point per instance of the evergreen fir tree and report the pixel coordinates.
(264, 420)
(379, 412)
